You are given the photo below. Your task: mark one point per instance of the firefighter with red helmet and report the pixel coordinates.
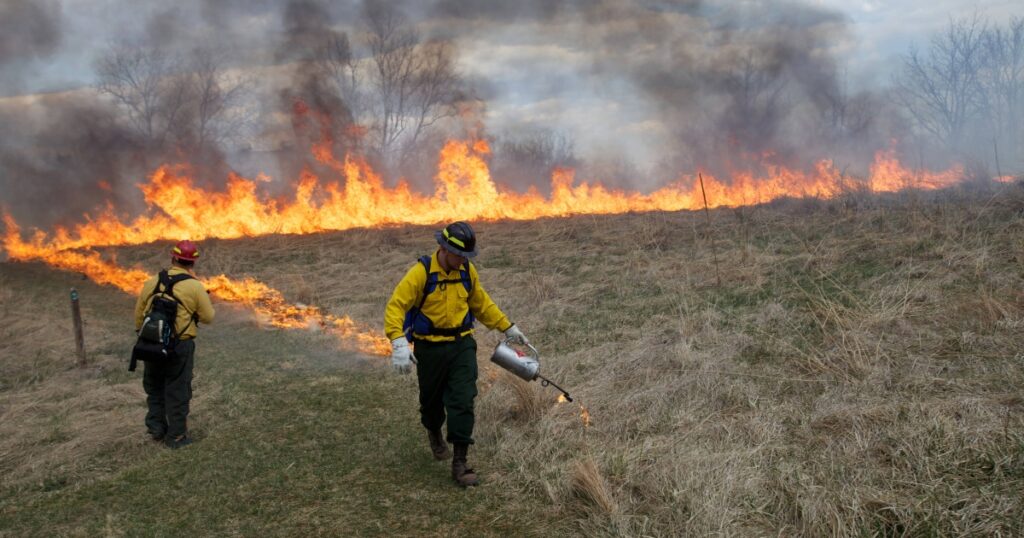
(434, 306)
(168, 381)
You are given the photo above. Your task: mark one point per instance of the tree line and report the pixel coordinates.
(964, 93)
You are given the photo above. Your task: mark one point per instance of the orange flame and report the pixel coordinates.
(561, 399)
(888, 175)
(268, 303)
(585, 416)
(464, 189)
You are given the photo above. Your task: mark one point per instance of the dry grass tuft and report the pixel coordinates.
(530, 402)
(588, 483)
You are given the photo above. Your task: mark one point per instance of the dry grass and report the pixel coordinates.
(858, 372)
(60, 424)
(848, 378)
(55, 416)
(590, 485)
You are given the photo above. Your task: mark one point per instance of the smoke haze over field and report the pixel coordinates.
(640, 91)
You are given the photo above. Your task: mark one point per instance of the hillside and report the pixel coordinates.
(858, 370)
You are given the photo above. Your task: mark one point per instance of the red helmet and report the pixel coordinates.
(185, 251)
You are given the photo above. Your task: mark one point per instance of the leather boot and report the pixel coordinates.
(437, 445)
(463, 475)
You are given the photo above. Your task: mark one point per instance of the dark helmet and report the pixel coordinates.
(185, 251)
(458, 238)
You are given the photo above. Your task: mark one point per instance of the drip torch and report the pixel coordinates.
(522, 365)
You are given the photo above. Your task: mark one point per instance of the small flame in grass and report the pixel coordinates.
(584, 414)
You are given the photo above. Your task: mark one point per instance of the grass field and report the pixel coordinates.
(858, 371)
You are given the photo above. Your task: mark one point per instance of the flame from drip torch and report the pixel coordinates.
(584, 414)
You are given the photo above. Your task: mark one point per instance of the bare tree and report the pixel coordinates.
(336, 59)
(529, 158)
(194, 104)
(940, 88)
(1002, 83)
(847, 115)
(436, 88)
(218, 115)
(138, 81)
(414, 83)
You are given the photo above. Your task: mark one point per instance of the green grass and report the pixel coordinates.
(293, 438)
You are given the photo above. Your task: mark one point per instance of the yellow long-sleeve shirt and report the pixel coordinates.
(445, 307)
(192, 295)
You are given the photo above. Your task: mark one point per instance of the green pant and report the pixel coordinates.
(168, 386)
(447, 373)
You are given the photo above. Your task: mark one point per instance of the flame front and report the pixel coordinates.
(267, 303)
(464, 189)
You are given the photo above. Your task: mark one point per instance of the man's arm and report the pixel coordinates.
(142, 302)
(204, 308)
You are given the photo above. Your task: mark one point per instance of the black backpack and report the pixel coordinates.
(157, 337)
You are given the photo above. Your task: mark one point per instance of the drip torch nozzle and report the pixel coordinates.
(545, 382)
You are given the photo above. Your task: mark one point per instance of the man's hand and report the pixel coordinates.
(513, 333)
(400, 355)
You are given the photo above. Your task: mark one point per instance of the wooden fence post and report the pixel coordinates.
(711, 233)
(76, 316)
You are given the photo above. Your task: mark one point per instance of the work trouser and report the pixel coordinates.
(168, 386)
(447, 374)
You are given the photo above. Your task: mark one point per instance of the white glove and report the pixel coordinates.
(513, 333)
(400, 355)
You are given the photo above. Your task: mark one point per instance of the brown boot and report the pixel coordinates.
(463, 475)
(437, 445)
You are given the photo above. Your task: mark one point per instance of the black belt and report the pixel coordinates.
(455, 338)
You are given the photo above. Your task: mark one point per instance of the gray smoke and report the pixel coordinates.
(735, 84)
(308, 96)
(29, 30)
(64, 157)
(720, 84)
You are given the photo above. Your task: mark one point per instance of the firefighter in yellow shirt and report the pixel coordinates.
(434, 306)
(168, 381)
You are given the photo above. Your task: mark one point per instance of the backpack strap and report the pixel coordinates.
(167, 281)
(425, 262)
(413, 313)
(433, 282)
